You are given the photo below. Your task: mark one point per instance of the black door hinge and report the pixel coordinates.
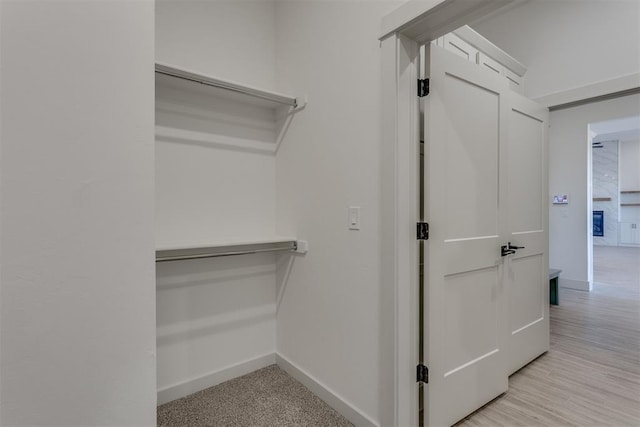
(422, 374)
(423, 231)
(423, 87)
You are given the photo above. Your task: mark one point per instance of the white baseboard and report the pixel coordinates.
(323, 392)
(185, 388)
(581, 285)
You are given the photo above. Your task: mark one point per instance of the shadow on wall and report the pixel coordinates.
(201, 297)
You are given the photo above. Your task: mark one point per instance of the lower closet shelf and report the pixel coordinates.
(279, 244)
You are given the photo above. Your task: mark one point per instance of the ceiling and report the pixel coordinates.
(623, 129)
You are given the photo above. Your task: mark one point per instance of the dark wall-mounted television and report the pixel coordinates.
(598, 223)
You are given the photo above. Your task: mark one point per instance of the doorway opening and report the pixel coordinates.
(615, 205)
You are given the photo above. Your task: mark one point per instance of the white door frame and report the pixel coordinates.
(414, 23)
(402, 32)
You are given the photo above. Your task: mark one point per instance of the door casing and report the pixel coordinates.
(403, 31)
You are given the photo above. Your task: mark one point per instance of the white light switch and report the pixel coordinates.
(354, 217)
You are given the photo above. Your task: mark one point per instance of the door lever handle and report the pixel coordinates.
(505, 250)
(510, 246)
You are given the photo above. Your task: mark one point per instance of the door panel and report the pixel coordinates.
(459, 47)
(526, 196)
(469, 254)
(484, 185)
(527, 271)
(472, 141)
(471, 316)
(489, 63)
(526, 299)
(466, 319)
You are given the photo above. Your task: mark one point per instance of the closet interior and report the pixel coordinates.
(216, 238)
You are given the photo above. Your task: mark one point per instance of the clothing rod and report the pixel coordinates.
(211, 81)
(221, 254)
(213, 254)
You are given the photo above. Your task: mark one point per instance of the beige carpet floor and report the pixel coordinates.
(267, 397)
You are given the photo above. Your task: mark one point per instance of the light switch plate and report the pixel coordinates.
(354, 217)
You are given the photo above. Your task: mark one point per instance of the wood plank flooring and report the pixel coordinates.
(591, 374)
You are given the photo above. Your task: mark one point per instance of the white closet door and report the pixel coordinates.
(465, 298)
(485, 186)
(527, 271)
(456, 45)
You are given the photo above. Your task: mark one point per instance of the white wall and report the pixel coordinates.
(630, 179)
(1, 259)
(216, 321)
(569, 157)
(213, 187)
(568, 43)
(78, 295)
(215, 317)
(630, 165)
(329, 317)
(232, 40)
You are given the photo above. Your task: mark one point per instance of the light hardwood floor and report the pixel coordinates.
(591, 374)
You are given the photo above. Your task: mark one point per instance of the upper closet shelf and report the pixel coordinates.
(272, 97)
(276, 244)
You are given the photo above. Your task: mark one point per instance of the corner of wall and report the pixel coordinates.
(333, 399)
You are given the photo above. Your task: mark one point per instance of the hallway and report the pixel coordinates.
(619, 268)
(591, 374)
